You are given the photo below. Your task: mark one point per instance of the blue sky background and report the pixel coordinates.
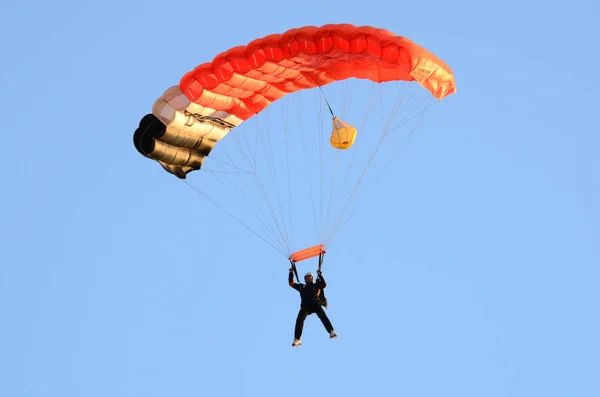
(471, 269)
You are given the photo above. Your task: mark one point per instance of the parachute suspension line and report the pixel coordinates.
(345, 104)
(234, 217)
(363, 128)
(331, 190)
(261, 217)
(346, 100)
(320, 129)
(356, 146)
(229, 158)
(325, 217)
(310, 186)
(266, 226)
(226, 172)
(386, 131)
(339, 223)
(317, 199)
(216, 160)
(408, 117)
(265, 195)
(392, 115)
(420, 114)
(397, 109)
(258, 183)
(275, 179)
(289, 178)
(251, 164)
(270, 226)
(350, 199)
(353, 193)
(326, 101)
(256, 123)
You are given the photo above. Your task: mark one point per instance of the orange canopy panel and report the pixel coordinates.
(308, 253)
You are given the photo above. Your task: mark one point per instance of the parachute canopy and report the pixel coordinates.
(270, 176)
(189, 119)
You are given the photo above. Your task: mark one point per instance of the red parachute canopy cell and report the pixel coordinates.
(244, 80)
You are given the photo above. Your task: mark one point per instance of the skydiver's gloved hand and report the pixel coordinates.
(320, 278)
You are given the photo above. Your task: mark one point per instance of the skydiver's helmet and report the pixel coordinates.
(309, 278)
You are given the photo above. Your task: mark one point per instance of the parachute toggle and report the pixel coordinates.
(342, 134)
(307, 253)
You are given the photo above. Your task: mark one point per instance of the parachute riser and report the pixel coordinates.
(293, 262)
(320, 262)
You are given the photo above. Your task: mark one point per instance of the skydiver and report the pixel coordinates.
(312, 300)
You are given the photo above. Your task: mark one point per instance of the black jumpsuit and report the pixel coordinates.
(310, 295)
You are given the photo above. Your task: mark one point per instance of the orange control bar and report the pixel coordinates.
(307, 253)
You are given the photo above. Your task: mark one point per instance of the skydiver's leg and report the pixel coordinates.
(300, 322)
(324, 319)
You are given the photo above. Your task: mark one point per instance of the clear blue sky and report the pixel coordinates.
(471, 269)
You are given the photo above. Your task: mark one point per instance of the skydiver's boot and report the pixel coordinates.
(297, 342)
(332, 334)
